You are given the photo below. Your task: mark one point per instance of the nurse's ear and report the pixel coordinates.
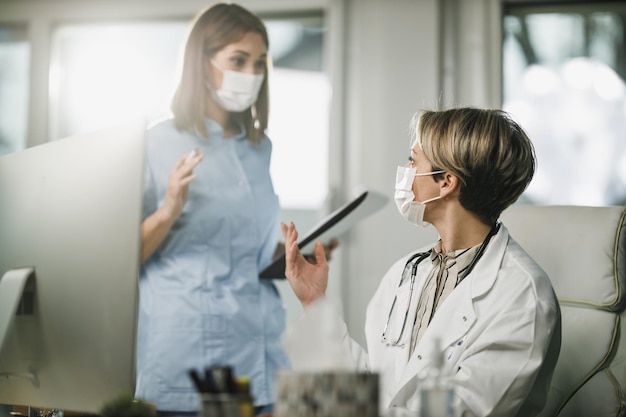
(449, 185)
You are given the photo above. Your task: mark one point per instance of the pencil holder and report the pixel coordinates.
(220, 405)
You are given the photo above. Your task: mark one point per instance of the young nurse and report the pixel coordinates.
(475, 291)
(211, 222)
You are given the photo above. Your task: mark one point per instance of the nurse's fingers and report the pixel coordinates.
(187, 180)
(187, 162)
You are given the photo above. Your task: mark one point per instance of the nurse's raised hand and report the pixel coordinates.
(156, 226)
(308, 281)
(180, 177)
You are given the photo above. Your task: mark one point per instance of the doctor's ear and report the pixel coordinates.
(449, 185)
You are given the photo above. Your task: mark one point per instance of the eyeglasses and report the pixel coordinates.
(412, 263)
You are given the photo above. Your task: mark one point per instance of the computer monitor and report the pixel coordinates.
(70, 213)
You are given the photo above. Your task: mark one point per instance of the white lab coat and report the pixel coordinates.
(500, 330)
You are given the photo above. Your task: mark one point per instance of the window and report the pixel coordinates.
(14, 87)
(563, 72)
(102, 74)
(299, 112)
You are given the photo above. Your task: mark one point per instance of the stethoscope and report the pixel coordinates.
(415, 260)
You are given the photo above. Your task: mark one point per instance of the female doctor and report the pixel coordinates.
(475, 291)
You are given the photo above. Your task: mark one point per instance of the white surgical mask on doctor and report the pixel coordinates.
(239, 90)
(411, 210)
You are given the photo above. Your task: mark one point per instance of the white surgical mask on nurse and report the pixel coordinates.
(411, 210)
(239, 90)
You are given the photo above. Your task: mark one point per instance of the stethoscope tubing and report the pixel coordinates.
(417, 259)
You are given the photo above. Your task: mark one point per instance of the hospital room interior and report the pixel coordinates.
(346, 78)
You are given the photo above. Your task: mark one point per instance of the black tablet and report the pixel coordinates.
(333, 225)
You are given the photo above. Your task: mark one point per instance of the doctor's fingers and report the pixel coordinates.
(293, 256)
(290, 234)
(320, 253)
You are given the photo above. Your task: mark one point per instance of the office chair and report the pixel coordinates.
(583, 251)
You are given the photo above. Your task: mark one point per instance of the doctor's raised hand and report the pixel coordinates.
(308, 280)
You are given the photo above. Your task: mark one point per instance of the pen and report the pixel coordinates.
(201, 386)
(218, 379)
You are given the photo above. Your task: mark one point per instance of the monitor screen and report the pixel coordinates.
(70, 223)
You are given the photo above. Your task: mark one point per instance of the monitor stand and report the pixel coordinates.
(12, 291)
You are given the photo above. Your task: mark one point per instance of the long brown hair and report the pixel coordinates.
(213, 29)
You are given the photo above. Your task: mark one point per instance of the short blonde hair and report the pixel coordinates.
(212, 30)
(489, 152)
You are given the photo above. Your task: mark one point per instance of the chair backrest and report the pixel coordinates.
(583, 250)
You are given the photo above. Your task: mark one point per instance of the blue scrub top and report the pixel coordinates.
(201, 300)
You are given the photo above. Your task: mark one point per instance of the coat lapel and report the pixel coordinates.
(453, 319)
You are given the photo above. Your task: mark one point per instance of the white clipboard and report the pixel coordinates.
(332, 226)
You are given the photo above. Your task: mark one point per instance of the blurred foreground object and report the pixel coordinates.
(127, 406)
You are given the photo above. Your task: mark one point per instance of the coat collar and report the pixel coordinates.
(456, 315)
(485, 273)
